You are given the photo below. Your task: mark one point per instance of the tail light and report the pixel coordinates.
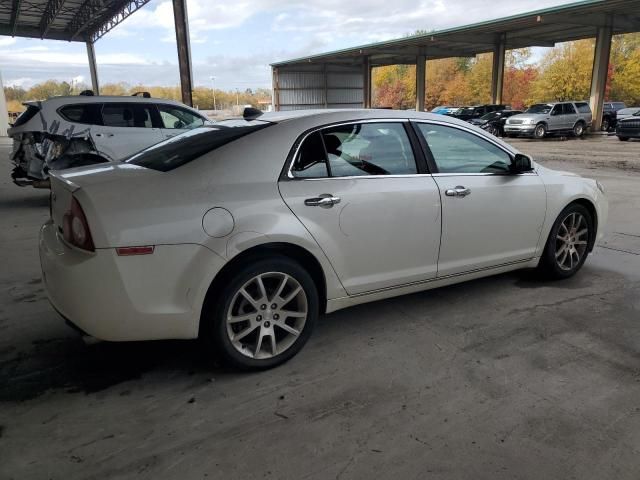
(75, 228)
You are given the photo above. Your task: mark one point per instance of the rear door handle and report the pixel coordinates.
(459, 191)
(104, 134)
(326, 200)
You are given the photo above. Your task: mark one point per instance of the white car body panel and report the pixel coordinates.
(161, 295)
(115, 143)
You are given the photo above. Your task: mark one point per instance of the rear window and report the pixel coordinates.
(88, 113)
(185, 148)
(27, 115)
(583, 107)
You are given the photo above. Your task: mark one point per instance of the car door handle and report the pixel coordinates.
(326, 200)
(459, 191)
(104, 134)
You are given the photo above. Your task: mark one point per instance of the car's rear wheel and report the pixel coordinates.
(493, 130)
(567, 247)
(606, 123)
(540, 131)
(578, 129)
(263, 315)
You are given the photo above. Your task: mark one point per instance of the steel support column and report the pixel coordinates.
(366, 82)
(93, 68)
(497, 73)
(275, 90)
(184, 50)
(599, 74)
(421, 68)
(4, 114)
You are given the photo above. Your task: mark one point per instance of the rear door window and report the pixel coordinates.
(369, 149)
(136, 115)
(311, 161)
(568, 109)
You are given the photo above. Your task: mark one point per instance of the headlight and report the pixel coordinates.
(600, 187)
(529, 121)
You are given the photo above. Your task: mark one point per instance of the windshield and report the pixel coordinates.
(637, 114)
(490, 116)
(540, 108)
(182, 149)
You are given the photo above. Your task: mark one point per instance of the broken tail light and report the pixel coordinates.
(75, 228)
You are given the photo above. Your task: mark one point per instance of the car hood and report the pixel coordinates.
(630, 118)
(529, 116)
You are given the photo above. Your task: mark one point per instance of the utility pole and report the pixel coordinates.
(237, 97)
(213, 92)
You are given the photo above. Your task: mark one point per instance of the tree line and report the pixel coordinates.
(563, 73)
(203, 97)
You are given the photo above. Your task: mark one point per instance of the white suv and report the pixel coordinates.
(66, 132)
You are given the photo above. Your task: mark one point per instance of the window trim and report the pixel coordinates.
(99, 106)
(418, 153)
(434, 166)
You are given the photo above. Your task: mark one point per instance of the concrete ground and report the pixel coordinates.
(503, 378)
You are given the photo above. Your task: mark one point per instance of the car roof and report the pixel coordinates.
(71, 99)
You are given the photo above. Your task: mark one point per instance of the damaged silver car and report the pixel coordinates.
(66, 132)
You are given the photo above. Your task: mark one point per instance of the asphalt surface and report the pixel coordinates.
(508, 377)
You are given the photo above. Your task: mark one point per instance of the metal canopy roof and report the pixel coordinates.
(542, 28)
(72, 20)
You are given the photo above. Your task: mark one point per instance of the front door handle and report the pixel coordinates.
(326, 200)
(104, 134)
(459, 191)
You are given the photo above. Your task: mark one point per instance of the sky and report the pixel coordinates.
(235, 40)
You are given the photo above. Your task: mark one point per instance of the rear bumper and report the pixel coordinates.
(146, 297)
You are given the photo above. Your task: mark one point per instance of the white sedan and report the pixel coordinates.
(243, 233)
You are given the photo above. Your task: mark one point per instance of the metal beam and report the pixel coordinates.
(529, 41)
(93, 68)
(87, 14)
(421, 65)
(275, 88)
(366, 82)
(497, 73)
(184, 50)
(124, 12)
(51, 11)
(15, 13)
(599, 74)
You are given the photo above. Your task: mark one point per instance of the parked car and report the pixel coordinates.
(65, 132)
(609, 115)
(628, 127)
(244, 232)
(542, 119)
(467, 113)
(626, 112)
(494, 122)
(443, 109)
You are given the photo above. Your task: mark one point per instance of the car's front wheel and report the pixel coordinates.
(568, 243)
(540, 131)
(263, 315)
(623, 139)
(606, 123)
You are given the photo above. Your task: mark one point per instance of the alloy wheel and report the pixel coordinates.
(266, 315)
(540, 131)
(578, 129)
(571, 241)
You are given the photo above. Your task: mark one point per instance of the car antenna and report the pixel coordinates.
(250, 113)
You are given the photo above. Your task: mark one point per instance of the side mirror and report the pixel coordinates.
(521, 163)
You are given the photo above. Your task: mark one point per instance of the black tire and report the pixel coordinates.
(578, 129)
(606, 124)
(214, 332)
(540, 131)
(549, 262)
(623, 139)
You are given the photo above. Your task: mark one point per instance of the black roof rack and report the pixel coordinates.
(142, 94)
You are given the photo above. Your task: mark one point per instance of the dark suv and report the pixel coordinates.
(468, 113)
(610, 115)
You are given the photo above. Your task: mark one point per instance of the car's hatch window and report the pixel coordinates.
(27, 115)
(457, 151)
(185, 148)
